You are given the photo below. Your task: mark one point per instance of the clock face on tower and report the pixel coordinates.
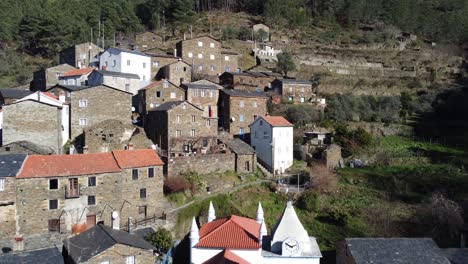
(291, 247)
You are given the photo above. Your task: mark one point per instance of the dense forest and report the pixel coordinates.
(44, 26)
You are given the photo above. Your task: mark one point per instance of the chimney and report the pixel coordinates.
(85, 150)
(260, 218)
(211, 213)
(19, 243)
(115, 220)
(130, 146)
(62, 97)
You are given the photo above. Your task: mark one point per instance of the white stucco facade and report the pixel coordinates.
(117, 60)
(273, 144)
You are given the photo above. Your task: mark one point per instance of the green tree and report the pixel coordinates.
(161, 240)
(285, 63)
(182, 11)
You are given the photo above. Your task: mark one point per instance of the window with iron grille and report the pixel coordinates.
(53, 204)
(91, 181)
(150, 172)
(143, 193)
(91, 200)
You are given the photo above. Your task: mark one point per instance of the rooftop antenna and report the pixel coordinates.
(103, 41)
(99, 33)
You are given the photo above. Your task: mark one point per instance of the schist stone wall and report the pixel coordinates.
(7, 208)
(118, 253)
(202, 164)
(32, 121)
(246, 164)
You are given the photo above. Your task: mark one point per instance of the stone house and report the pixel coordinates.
(10, 165)
(295, 91)
(181, 127)
(40, 118)
(80, 55)
(238, 109)
(178, 72)
(148, 40)
(247, 81)
(204, 96)
(272, 139)
(206, 56)
(8, 96)
(103, 244)
(157, 93)
(92, 105)
(158, 61)
(76, 77)
(264, 28)
(127, 82)
(246, 159)
(127, 61)
(45, 78)
(59, 196)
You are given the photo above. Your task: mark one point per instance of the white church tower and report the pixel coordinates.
(260, 217)
(211, 213)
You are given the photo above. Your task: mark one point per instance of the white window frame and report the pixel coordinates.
(208, 122)
(83, 121)
(165, 84)
(156, 64)
(173, 95)
(212, 68)
(211, 93)
(212, 57)
(190, 55)
(200, 67)
(83, 103)
(178, 133)
(202, 93)
(2, 184)
(226, 58)
(241, 118)
(193, 133)
(200, 56)
(200, 44)
(130, 259)
(212, 45)
(241, 104)
(255, 104)
(178, 119)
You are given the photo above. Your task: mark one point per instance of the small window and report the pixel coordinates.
(255, 117)
(173, 95)
(158, 94)
(53, 184)
(205, 142)
(156, 64)
(91, 200)
(193, 119)
(255, 134)
(202, 93)
(211, 93)
(83, 122)
(83, 103)
(261, 122)
(200, 67)
(241, 104)
(134, 174)
(54, 225)
(208, 122)
(255, 104)
(150, 172)
(190, 54)
(92, 181)
(114, 63)
(177, 68)
(193, 133)
(184, 106)
(241, 118)
(144, 65)
(130, 260)
(212, 45)
(178, 119)
(200, 44)
(2, 184)
(128, 62)
(144, 77)
(53, 204)
(195, 92)
(212, 57)
(226, 58)
(265, 134)
(212, 68)
(177, 133)
(143, 193)
(166, 84)
(241, 131)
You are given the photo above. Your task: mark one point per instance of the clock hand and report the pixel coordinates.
(289, 245)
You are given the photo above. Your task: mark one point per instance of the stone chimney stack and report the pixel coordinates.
(115, 220)
(130, 146)
(260, 217)
(211, 213)
(85, 150)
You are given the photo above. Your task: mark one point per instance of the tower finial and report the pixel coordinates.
(263, 232)
(194, 236)
(211, 213)
(260, 217)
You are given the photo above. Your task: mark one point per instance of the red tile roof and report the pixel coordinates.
(51, 95)
(277, 121)
(38, 166)
(226, 257)
(232, 232)
(137, 158)
(152, 84)
(77, 72)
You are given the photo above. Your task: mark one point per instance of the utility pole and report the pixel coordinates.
(103, 41)
(99, 32)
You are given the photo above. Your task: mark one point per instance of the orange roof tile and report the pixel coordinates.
(226, 257)
(38, 166)
(277, 121)
(151, 85)
(137, 158)
(233, 232)
(77, 72)
(51, 95)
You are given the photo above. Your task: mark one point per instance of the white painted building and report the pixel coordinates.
(272, 139)
(266, 53)
(236, 239)
(127, 61)
(127, 82)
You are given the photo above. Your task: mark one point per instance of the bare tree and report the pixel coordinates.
(323, 179)
(447, 217)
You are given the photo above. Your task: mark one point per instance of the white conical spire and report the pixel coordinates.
(211, 213)
(194, 236)
(263, 232)
(260, 213)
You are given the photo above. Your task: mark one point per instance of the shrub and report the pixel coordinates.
(323, 180)
(195, 181)
(161, 240)
(175, 184)
(309, 201)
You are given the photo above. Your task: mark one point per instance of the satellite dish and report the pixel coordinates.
(115, 215)
(151, 105)
(133, 109)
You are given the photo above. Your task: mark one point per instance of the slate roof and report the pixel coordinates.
(226, 257)
(169, 105)
(137, 158)
(30, 148)
(198, 86)
(71, 88)
(241, 93)
(144, 232)
(10, 164)
(295, 81)
(456, 255)
(238, 146)
(118, 74)
(98, 239)
(48, 255)
(233, 232)
(277, 121)
(14, 93)
(127, 51)
(395, 250)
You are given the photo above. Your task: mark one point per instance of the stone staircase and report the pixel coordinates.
(264, 170)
